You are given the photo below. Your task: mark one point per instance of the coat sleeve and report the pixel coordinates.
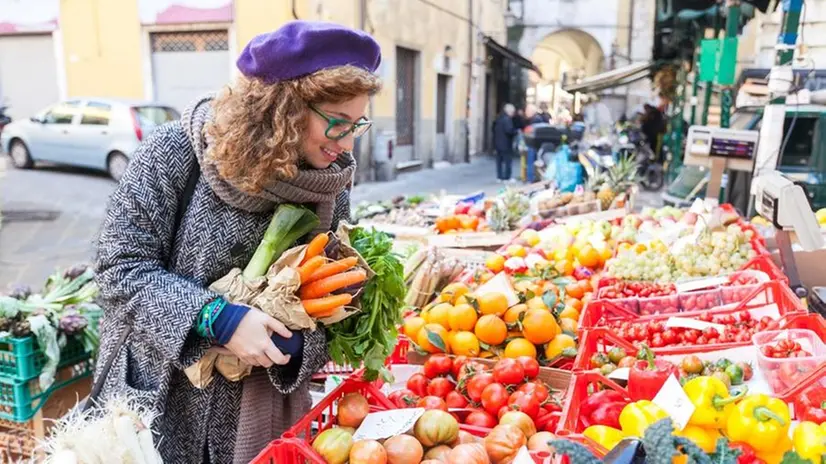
(135, 244)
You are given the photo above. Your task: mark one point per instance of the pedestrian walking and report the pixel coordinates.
(283, 133)
(504, 132)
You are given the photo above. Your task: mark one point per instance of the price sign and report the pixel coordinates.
(688, 323)
(673, 399)
(386, 424)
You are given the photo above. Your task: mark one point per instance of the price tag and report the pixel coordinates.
(696, 284)
(386, 424)
(687, 323)
(523, 456)
(331, 383)
(500, 283)
(620, 373)
(673, 399)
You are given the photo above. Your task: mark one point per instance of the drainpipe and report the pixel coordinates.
(469, 78)
(630, 50)
(732, 21)
(710, 85)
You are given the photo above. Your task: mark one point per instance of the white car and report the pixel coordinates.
(95, 133)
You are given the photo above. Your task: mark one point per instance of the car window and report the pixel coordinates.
(150, 117)
(798, 151)
(61, 113)
(96, 114)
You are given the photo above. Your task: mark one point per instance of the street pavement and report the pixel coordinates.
(51, 215)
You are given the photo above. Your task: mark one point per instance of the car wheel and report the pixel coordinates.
(116, 165)
(20, 156)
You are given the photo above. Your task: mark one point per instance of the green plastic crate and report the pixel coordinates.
(20, 400)
(21, 358)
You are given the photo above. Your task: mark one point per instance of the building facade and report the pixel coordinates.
(435, 64)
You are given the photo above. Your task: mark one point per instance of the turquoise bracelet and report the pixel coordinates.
(209, 313)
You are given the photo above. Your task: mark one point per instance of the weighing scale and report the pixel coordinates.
(720, 149)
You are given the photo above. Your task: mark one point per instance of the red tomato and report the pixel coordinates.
(530, 365)
(508, 371)
(417, 383)
(494, 397)
(403, 398)
(458, 363)
(437, 365)
(476, 384)
(525, 402)
(432, 402)
(539, 389)
(455, 399)
(470, 367)
(552, 406)
(481, 419)
(440, 387)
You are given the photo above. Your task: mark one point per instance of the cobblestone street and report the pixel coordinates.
(52, 214)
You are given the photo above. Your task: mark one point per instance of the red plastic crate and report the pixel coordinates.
(399, 356)
(600, 313)
(816, 378)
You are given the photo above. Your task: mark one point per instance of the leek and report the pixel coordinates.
(288, 224)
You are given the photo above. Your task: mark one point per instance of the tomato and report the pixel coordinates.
(458, 363)
(539, 389)
(530, 366)
(539, 442)
(508, 372)
(521, 420)
(468, 453)
(436, 428)
(352, 409)
(440, 387)
(403, 449)
(504, 442)
(494, 397)
(334, 445)
(437, 365)
(477, 383)
(403, 398)
(367, 452)
(437, 454)
(470, 367)
(481, 419)
(417, 383)
(502, 411)
(525, 402)
(455, 399)
(432, 402)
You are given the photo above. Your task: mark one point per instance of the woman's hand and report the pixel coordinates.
(251, 340)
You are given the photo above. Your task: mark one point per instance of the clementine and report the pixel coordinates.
(433, 338)
(452, 292)
(539, 326)
(465, 344)
(520, 347)
(461, 317)
(492, 303)
(513, 313)
(412, 326)
(495, 263)
(439, 314)
(491, 329)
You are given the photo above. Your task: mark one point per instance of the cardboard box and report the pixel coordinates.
(810, 266)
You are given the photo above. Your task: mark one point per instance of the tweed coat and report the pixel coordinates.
(156, 279)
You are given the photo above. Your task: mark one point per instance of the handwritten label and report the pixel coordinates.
(500, 283)
(696, 284)
(523, 456)
(386, 424)
(687, 323)
(673, 399)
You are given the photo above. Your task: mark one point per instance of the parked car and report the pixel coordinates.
(95, 133)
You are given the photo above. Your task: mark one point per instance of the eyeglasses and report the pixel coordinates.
(337, 128)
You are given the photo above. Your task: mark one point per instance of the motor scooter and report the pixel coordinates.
(632, 142)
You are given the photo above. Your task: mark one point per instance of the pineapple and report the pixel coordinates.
(507, 210)
(606, 196)
(620, 177)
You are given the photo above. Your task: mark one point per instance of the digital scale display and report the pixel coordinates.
(731, 148)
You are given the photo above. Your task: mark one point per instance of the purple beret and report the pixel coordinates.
(300, 48)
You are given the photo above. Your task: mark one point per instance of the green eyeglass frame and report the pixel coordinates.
(338, 128)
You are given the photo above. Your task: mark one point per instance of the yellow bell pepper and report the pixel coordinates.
(712, 401)
(605, 436)
(775, 456)
(705, 438)
(760, 421)
(638, 416)
(810, 440)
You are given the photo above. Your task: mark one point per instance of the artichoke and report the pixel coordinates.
(75, 271)
(19, 291)
(72, 323)
(21, 329)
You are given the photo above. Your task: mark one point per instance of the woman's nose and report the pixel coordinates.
(347, 142)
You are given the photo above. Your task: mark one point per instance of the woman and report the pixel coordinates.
(283, 133)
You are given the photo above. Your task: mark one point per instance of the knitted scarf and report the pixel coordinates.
(264, 411)
(319, 187)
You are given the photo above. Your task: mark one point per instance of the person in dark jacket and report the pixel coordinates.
(282, 133)
(504, 132)
(544, 114)
(652, 125)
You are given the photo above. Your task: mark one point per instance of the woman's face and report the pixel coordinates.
(319, 150)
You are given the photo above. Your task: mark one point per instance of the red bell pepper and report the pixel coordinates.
(602, 408)
(811, 405)
(747, 453)
(648, 375)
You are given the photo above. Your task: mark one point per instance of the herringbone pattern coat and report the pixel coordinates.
(156, 280)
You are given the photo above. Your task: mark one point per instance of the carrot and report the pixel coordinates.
(330, 284)
(327, 312)
(317, 306)
(336, 267)
(312, 265)
(315, 247)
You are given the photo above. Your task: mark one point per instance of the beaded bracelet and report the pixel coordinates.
(209, 313)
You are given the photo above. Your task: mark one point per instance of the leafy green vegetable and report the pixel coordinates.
(288, 224)
(792, 457)
(370, 335)
(724, 454)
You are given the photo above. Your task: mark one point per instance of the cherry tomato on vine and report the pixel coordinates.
(494, 397)
(417, 383)
(437, 365)
(508, 371)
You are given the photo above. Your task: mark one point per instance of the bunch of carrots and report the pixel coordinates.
(325, 283)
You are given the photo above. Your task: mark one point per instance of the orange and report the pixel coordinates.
(463, 299)
(412, 326)
(492, 303)
(439, 314)
(605, 254)
(469, 223)
(452, 292)
(563, 253)
(536, 303)
(464, 344)
(639, 248)
(520, 347)
(491, 329)
(568, 325)
(512, 314)
(575, 290)
(539, 326)
(589, 257)
(574, 303)
(516, 251)
(564, 267)
(569, 313)
(486, 277)
(559, 344)
(495, 263)
(433, 331)
(461, 317)
(525, 286)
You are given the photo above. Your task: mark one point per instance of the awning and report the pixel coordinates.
(510, 54)
(610, 79)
